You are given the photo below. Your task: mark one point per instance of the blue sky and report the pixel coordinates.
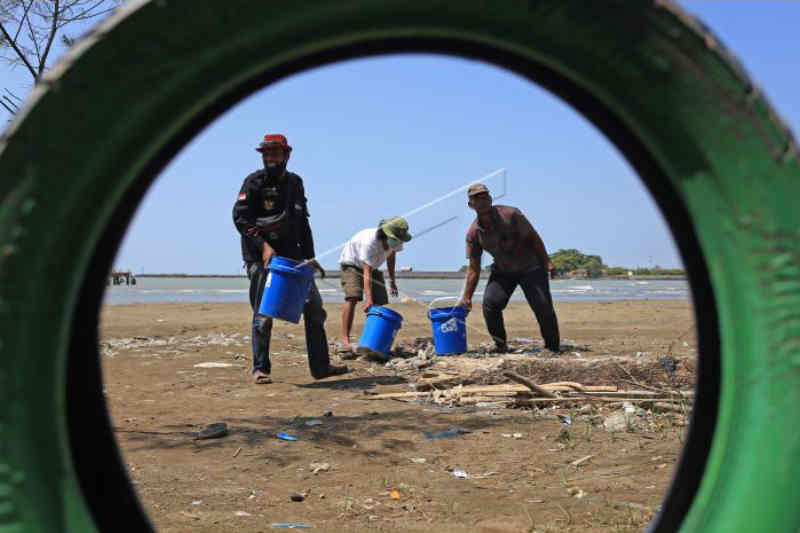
(378, 137)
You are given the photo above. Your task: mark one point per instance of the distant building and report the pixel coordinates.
(406, 269)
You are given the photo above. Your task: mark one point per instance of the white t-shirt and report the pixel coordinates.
(365, 247)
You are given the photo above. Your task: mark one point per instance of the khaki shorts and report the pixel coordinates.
(353, 284)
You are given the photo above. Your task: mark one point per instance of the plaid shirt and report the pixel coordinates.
(509, 239)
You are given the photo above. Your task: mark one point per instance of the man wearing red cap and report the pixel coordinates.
(271, 214)
(520, 258)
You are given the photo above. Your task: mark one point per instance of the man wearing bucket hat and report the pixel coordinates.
(271, 214)
(520, 258)
(360, 261)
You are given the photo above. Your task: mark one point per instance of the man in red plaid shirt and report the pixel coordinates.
(520, 258)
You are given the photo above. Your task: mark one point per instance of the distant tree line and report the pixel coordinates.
(574, 262)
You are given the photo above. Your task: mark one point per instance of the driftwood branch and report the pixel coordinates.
(530, 384)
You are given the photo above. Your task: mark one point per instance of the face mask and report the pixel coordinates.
(393, 243)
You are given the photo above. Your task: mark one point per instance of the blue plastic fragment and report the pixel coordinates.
(447, 433)
(286, 436)
(292, 526)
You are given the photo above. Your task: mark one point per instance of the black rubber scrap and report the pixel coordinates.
(213, 431)
(668, 363)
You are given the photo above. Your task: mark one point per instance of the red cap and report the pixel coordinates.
(477, 188)
(272, 139)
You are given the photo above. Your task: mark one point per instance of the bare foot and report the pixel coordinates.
(260, 378)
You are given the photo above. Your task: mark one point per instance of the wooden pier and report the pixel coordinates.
(121, 278)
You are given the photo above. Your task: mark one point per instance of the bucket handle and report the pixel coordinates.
(456, 298)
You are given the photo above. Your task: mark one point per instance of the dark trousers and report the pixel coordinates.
(313, 319)
(536, 286)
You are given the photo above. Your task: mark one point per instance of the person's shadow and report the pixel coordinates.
(362, 383)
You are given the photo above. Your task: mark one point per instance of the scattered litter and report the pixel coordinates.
(506, 435)
(577, 354)
(285, 436)
(461, 474)
(319, 467)
(313, 423)
(581, 460)
(213, 431)
(564, 436)
(197, 502)
(524, 340)
(297, 497)
(484, 475)
(517, 435)
(668, 363)
(418, 460)
(447, 433)
(242, 513)
(490, 405)
(213, 365)
(626, 505)
(292, 526)
(237, 451)
(423, 359)
(565, 419)
(395, 494)
(616, 421)
(328, 413)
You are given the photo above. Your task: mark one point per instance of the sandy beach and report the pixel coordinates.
(375, 469)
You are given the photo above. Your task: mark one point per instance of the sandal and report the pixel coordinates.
(213, 431)
(346, 351)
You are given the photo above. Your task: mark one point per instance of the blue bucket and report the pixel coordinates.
(380, 330)
(449, 330)
(286, 289)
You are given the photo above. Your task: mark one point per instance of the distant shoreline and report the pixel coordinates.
(334, 274)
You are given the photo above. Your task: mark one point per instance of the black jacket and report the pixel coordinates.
(250, 205)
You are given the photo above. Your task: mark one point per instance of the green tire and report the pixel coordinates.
(100, 126)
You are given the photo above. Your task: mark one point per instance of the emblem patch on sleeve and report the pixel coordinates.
(242, 196)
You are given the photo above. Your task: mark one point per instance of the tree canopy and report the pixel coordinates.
(29, 28)
(568, 260)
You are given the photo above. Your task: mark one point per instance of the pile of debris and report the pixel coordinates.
(526, 393)
(423, 359)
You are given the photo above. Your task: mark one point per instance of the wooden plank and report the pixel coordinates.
(579, 399)
(642, 393)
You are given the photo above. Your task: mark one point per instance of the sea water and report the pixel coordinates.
(165, 290)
